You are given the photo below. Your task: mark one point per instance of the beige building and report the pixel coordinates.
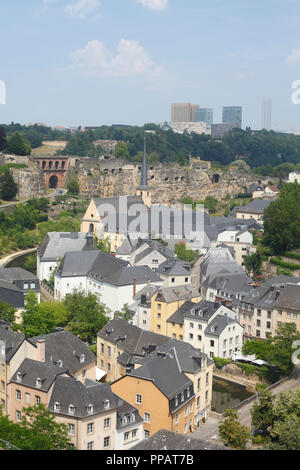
(183, 112)
(166, 302)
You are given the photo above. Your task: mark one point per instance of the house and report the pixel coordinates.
(226, 286)
(254, 210)
(14, 348)
(141, 309)
(171, 388)
(54, 247)
(15, 284)
(118, 342)
(209, 326)
(112, 280)
(264, 308)
(165, 440)
(96, 418)
(218, 260)
(166, 302)
(175, 273)
(150, 253)
(64, 349)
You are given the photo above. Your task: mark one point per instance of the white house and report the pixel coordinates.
(112, 280)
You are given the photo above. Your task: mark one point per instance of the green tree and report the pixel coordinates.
(36, 318)
(38, 430)
(121, 151)
(124, 314)
(104, 245)
(282, 220)
(73, 187)
(262, 412)
(231, 432)
(7, 312)
(253, 263)
(2, 138)
(8, 187)
(86, 316)
(18, 145)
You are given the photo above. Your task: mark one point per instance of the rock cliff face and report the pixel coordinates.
(169, 183)
(30, 183)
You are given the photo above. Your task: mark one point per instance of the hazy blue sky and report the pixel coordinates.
(93, 62)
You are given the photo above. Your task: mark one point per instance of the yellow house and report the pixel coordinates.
(162, 393)
(166, 302)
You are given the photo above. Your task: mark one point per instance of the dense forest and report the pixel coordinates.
(261, 150)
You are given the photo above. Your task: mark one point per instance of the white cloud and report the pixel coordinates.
(130, 60)
(82, 8)
(154, 4)
(294, 57)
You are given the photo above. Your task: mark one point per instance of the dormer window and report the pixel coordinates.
(60, 363)
(71, 409)
(38, 382)
(193, 311)
(106, 404)
(213, 329)
(19, 377)
(56, 407)
(82, 358)
(90, 409)
(132, 418)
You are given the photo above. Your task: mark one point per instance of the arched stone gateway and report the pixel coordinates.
(53, 180)
(54, 170)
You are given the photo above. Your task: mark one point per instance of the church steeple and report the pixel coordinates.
(144, 190)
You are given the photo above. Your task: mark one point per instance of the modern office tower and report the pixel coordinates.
(219, 130)
(204, 115)
(266, 114)
(183, 112)
(232, 114)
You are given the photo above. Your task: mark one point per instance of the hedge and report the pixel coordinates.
(290, 254)
(284, 264)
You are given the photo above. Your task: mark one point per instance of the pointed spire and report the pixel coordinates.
(144, 176)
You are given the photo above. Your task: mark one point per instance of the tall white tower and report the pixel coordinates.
(266, 120)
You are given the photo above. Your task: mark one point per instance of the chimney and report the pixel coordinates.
(134, 287)
(41, 350)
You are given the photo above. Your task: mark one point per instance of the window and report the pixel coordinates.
(257, 333)
(38, 382)
(181, 338)
(212, 343)
(146, 434)
(191, 325)
(26, 285)
(185, 429)
(159, 315)
(32, 285)
(200, 327)
(90, 446)
(198, 401)
(107, 423)
(199, 384)
(207, 378)
(147, 418)
(108, 367)
(82, 358)
(2, 386)
(182, 396)
(90, 409)
(57, 407)
(185, 411)
(106, 404)
(102, 348)
(158, 327)
(18, 415)
(37, 400)
(138, 399)
(18, 395)
(71, 409)
(90, 428)
(109, 351)
(206, 396)
(199, 338)
(191, 336)
(173, 280)
(106, 441)
(258, 323)
(176, 419)
(268, 325)
(126, 436)
(27, 398)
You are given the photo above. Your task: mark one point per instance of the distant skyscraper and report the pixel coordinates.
(204, 115)
(183, 112)
(266, 115)
(232, 114)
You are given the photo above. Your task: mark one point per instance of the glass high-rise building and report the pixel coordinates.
(204, 115)
(233, 114)
(266, 115)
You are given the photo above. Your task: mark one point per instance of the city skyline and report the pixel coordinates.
(86, 62)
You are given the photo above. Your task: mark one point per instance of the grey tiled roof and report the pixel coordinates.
(69, 391)
(172, 294)
(207, 308)
(32, 370)
(258, 206)
(12, 341)
(166, 440)
(56, 244)
(219, 323)
(174, 268)
(64, 346)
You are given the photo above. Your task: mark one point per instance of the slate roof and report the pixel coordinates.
(69, 391)
(289, 298)
(132, 339)
(57, 244)
(219, 324)
(174, 268)
(31, 370)
(258, 206)
(105, 268)
(208, 309)
(125, 412)
(167, 440)
(12, 341)
(11, 294)
(218, 260)
(16, 274)
(165, 373)
(173, 294)
(64, 346)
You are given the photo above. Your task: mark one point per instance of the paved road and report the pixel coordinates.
(209, 430)
(48, 196)
(4, 261)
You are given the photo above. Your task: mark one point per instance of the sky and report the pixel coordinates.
(103, 62)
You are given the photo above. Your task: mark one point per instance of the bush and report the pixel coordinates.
(284, 264)
(220, 362)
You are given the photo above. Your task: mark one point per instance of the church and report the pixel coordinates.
(94, 218)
